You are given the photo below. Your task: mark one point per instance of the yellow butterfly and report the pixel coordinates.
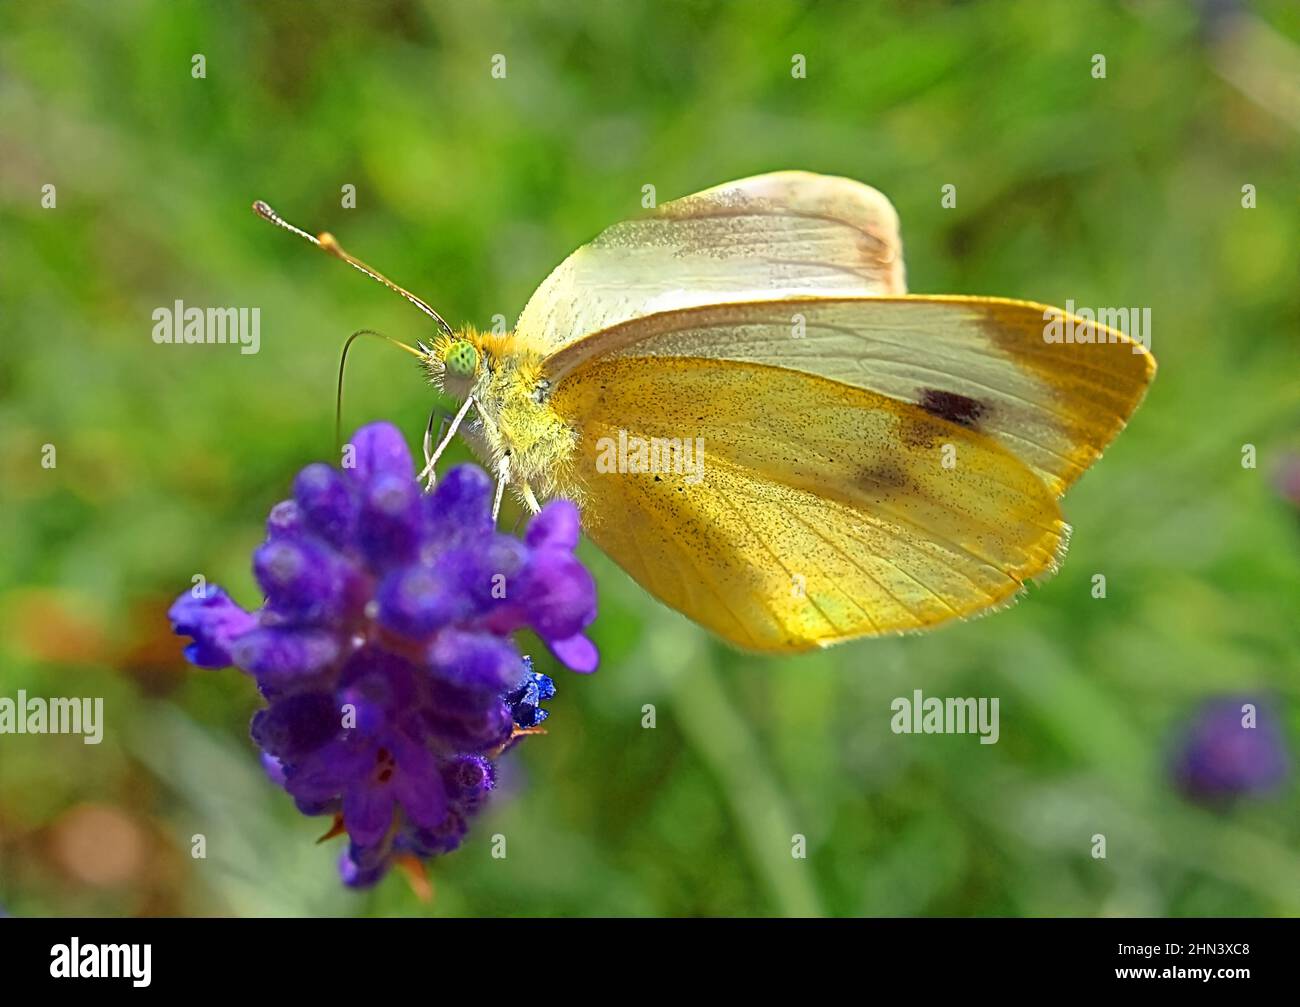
(769, 434)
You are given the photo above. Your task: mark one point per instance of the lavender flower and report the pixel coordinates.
(1232, 746)
(384, 647)
(526, 702)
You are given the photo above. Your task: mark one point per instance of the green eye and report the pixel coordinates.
(461, 359)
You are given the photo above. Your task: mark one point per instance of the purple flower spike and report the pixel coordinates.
(391, 514)
(415, 601)
(557, 525)
(376, 450)
(460, 508)
(479, 662)
(212, 621)
(283, 656)
(303, 580)
(576, 652)
(384, 648)
(467, 780)
(284, 521)
(1232, 747)
(356, 876)
(327, 503)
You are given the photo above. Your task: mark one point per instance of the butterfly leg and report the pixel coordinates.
(530, 501)
(428, 442)
(427, 472)
(530, 498)
(503, 479)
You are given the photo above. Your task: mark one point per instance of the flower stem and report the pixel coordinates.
(708, 719)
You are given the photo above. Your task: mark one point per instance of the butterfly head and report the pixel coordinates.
(460, 359)
(456, 362)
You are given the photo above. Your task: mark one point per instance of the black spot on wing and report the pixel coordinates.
(950, 406)
(881, 481)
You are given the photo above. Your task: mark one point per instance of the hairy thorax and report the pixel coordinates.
(513, 415)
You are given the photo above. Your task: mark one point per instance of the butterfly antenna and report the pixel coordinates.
(343, 361)
(326, 242)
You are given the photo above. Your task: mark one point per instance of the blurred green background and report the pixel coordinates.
(1124, 191)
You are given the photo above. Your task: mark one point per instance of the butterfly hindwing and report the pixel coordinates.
(811, 511)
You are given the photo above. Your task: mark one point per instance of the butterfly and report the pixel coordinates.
(769, 434)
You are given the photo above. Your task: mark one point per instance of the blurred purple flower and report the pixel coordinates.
(1231, 747)
(384, 646)
(1286, 478)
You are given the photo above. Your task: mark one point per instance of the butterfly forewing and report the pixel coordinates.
(768, 237)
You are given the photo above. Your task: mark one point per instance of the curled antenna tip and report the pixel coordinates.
(328, 243)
